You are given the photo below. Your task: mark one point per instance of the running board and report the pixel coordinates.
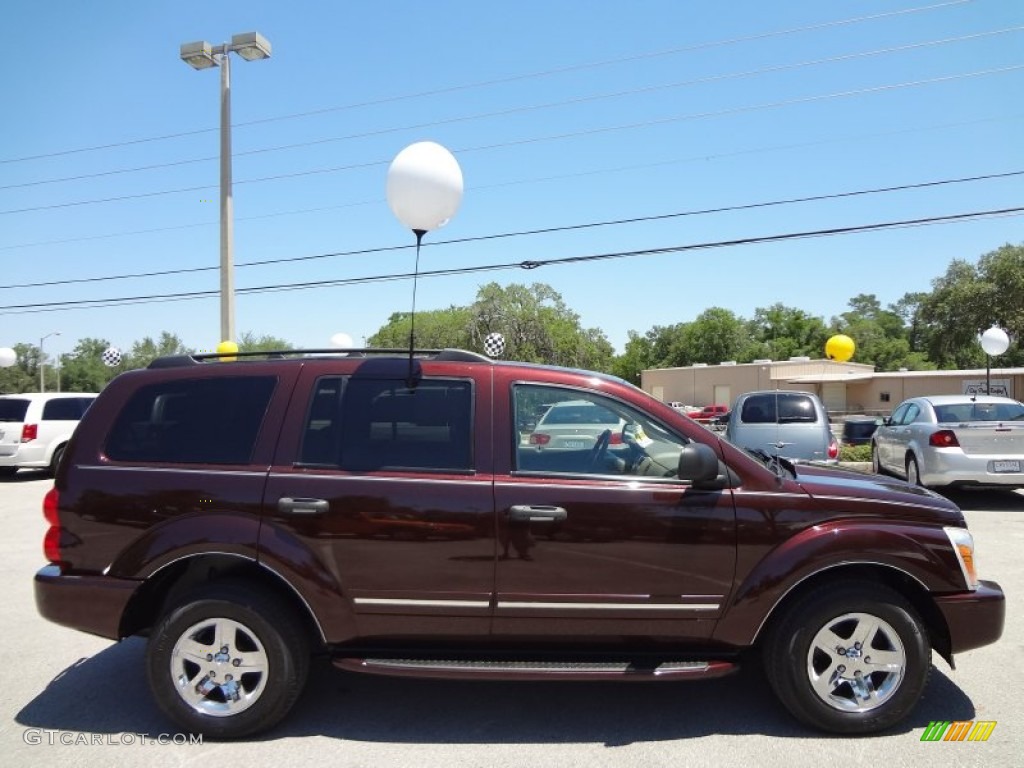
(537, 670)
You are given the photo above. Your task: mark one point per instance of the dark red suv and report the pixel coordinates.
(392, 513)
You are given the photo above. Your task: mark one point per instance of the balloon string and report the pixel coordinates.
(410, 381)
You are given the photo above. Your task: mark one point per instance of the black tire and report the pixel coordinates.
(876, 462)
(913, 470)
(55, 459)
(264, 664)
(819, 683)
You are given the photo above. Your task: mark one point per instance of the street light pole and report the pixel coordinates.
(251, 46)
(227, 218)
(42, 384)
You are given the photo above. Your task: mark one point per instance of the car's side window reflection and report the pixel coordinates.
(568, 431)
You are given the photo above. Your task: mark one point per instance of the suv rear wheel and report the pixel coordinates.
(227, 661)
(849, 658)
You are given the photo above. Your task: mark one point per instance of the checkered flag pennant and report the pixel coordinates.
(494, 345)
(111, 357)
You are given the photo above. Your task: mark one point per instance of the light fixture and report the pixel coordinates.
(198, 55)
(251, 46)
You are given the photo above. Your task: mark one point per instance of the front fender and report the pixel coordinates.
(923, 553)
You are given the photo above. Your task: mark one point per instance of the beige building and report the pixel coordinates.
(843, 387)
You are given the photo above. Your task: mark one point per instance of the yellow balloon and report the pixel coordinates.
(839, 348)
(226, 349)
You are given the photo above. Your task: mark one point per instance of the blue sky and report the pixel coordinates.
(559, 113)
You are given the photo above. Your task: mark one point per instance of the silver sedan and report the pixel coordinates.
(953, 440)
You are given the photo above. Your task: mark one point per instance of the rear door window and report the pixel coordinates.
(192, 421)
(371, 424)
(64, 409)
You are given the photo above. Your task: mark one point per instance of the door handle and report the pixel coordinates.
(303, 506)
(536, 514)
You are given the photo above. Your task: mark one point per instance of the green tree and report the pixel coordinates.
(435, 329)
(83, 370)
(23, 376)
(250, 342)
(635, 358)
(536, 324)
(717, 335)
(147, 350)
(970, 298)
(780, 332)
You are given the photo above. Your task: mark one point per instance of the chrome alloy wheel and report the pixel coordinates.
(856, 662)
(219, 667)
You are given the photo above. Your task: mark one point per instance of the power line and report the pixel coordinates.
(550, 137)
(526, 265)
(530, 107)
(530, 232)
(556, 177)
(503, 80)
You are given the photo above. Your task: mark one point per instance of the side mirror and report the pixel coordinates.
(698, 463)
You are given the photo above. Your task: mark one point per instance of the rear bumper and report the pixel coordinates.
(93, 604)
(974, 618)
(952, 467)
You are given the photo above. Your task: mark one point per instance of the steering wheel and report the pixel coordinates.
(600, 449)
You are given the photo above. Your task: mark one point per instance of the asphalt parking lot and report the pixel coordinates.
(72, 699)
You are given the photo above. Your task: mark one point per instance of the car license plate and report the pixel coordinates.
(583, 444)
(1006, 466)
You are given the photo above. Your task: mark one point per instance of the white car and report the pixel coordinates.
(576, 425)
(35, 427)
(953, 440)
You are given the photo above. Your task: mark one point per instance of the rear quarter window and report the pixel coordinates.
(192, 421)
(13, 409)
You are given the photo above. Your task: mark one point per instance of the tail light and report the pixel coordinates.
(616, 439)
(29, 432)
(833, 448)
(51, 542)
(539, 438)
(944, 438)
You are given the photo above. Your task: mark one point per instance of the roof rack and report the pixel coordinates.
(441, 355)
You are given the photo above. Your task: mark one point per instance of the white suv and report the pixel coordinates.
(34, 428)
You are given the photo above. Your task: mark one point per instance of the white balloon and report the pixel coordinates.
(995, 341)
(424, 186)
(8, 357)
(341, 341)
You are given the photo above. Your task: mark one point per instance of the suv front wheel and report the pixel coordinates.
(227, 661)
(849, 658)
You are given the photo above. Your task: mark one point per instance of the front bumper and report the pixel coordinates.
(974, 618)
(93, 604)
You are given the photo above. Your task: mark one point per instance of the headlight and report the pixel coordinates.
(963, 545)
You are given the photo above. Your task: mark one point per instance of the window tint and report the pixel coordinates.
(367, 424)
(192, 421)
(898, 414)
(579, 432)
(13, 409)
(64, 409)
(784, 408)
(913, 411)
